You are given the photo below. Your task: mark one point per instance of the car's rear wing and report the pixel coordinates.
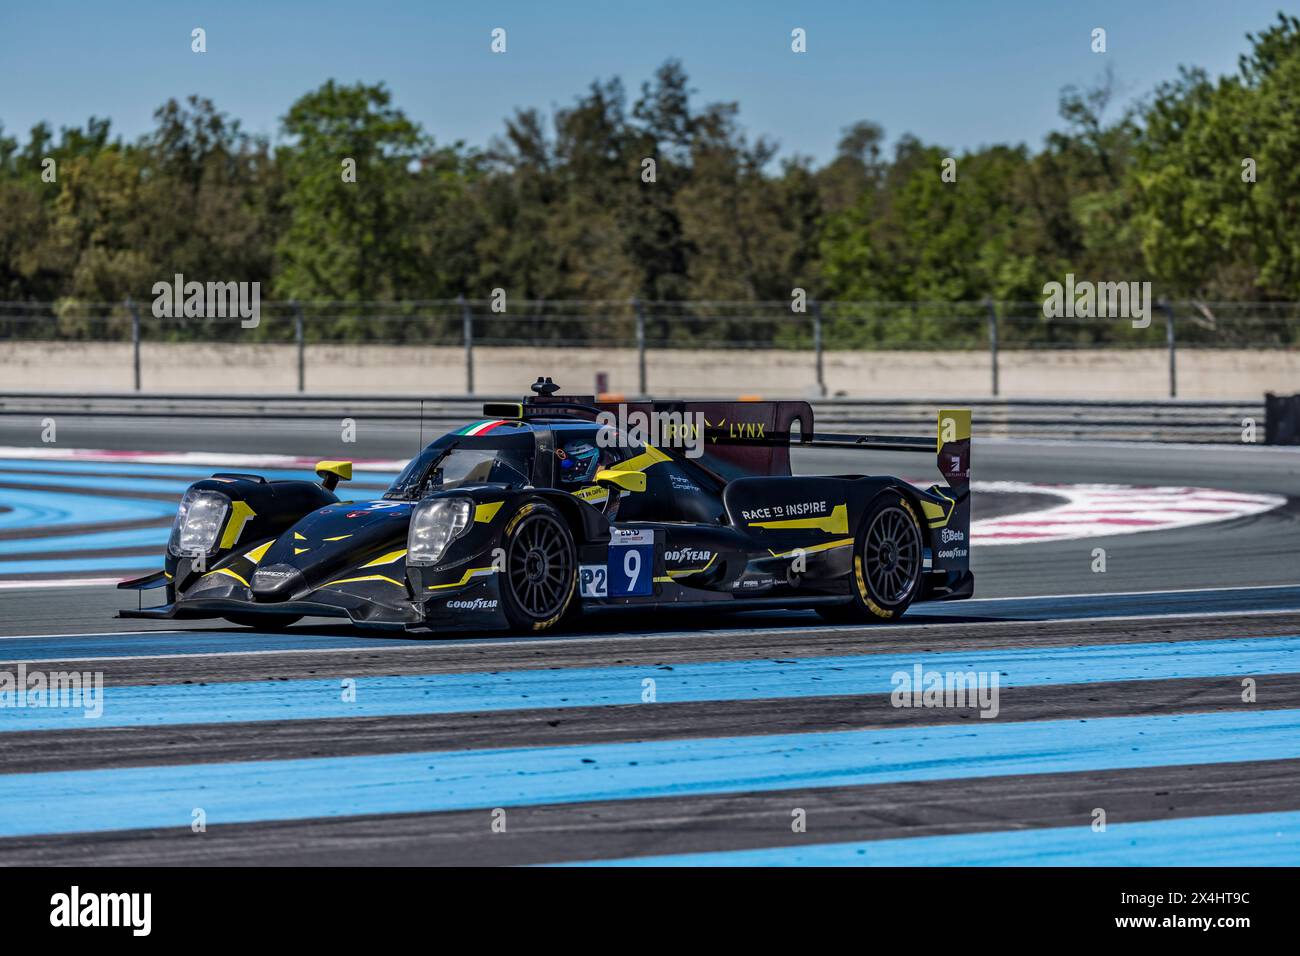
(951, 444)
(739, 439)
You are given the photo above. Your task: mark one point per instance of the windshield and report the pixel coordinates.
(451, 463)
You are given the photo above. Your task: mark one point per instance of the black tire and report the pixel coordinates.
(887, 563)
(541, 573)
(264, 622)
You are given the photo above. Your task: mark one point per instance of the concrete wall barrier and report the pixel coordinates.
(373, 369)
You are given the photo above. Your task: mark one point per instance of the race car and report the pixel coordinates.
(556, 505)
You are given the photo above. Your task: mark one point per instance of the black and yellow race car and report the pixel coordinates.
(557, 504)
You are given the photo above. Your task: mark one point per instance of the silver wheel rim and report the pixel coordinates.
(892, 555)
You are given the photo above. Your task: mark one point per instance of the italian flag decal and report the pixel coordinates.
(482, 428)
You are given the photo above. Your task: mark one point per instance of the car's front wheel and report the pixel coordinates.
(541, 568)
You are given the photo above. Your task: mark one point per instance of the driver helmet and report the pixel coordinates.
(578, 462)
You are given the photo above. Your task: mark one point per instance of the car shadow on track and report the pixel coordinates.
(675, 621)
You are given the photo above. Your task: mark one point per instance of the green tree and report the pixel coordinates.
(348, 241)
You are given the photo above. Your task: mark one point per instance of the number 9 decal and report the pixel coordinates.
(632, 568)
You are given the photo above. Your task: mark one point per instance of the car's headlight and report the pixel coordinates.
(435, 524)
(198, 522)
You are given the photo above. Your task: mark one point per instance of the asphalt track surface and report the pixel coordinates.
(1164, 692)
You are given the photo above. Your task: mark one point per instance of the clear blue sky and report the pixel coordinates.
(958, 74)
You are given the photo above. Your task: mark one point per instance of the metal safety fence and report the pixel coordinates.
(811, 328)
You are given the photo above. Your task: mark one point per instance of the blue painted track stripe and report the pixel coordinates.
(166, 644)
(600, 686)
(155, 537)
(48, 508)
(1248, 839)
(139, 797)
(74, 564)
(77, 483)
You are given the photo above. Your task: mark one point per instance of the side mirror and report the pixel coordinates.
(332, 472)
(622, 480)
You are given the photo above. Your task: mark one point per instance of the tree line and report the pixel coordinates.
(1196, 187)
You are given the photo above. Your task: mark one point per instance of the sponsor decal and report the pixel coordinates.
(742, 430)
(264, 577)
(797, 509)
(948, 535)
(687, 554)
(474, 604)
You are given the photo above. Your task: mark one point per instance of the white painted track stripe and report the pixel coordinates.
(636, 636)
(60, 583)
(197, 458)
(1091, 511)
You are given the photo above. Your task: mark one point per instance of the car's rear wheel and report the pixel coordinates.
(541, 568)
(264, 622)
(887, 559)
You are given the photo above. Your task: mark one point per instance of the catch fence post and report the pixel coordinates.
(817, 347)
(467, 324)
(1173, 351)
(640, 347)
(993, 343)
(298, 338)
(135, 338)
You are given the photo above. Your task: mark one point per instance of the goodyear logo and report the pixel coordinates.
(476, 604)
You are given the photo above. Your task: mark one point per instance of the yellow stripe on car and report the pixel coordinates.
(240, 513)
(464, 578)
(651, 456)
(812, 548)
(388, 558)
(687, 572)
(228, 573)
(365, 577)
(258, 553)
(936, 516)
